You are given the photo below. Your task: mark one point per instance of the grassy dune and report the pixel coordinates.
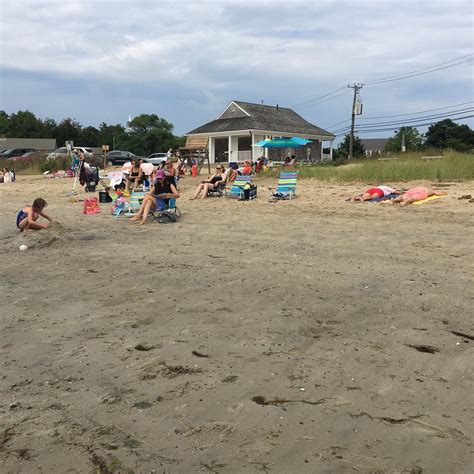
(452, 167)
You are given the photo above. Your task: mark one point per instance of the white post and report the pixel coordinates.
(330, 150)
(229, 150)
(212, 150)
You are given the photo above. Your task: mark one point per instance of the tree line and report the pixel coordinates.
(442, 135)
(145, 134)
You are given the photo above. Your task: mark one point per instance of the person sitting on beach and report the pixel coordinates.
(419, 193)
(133, 179)
(373, 193)
(162, 190)
(27, 217)
(216, 180)
(7, 176)
(231, 174)
(145, 175)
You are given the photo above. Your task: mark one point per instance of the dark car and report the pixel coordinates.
(118, 157)
(13, 152)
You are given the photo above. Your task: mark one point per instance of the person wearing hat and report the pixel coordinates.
(162, 190)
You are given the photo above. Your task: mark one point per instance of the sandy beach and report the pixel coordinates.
(305, 336)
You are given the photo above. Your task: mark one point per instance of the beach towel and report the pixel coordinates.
(431, 198)
(384, 198)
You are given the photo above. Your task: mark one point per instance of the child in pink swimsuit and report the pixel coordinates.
(417, 194)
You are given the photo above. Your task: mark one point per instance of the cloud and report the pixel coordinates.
(209, 52)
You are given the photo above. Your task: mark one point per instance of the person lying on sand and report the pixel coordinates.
(213, 182)
(373, 193)
(417, 194)
(162, 191)
(27, 217)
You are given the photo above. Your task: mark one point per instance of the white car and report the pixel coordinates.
(62, 152)
(157, 158)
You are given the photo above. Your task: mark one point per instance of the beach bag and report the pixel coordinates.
(91, 206)
(167, 217)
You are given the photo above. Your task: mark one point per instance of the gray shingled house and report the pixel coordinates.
(232, 135)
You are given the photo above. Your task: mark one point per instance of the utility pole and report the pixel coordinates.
(355, 112)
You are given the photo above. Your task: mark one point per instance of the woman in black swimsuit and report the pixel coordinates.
(133, 178)
(216, 180)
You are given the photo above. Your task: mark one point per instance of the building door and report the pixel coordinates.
(221, 151)
(245, 149)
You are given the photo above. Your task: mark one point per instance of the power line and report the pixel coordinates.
(417, 72)
(412, 113)
(329, 127)
(334, 124)
(395, 127)
(317, 98)
(399, 123)
(393, 122)
(408, 76)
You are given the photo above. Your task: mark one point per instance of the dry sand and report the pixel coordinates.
(307, 336)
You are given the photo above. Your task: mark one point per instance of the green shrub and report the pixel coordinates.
(454, 166)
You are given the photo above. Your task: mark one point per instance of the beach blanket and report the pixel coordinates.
(431, 198)
(384, 198)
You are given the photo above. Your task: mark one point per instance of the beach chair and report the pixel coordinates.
(130, 208)
(286, 187)
(217, 192)
(237, 189)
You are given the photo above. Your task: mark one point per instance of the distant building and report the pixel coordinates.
(374, 146)
(232, 135)
(40, 144)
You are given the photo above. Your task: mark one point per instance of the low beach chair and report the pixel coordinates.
(286, 187)
(237, 189)
(129, 209)
(217, 192)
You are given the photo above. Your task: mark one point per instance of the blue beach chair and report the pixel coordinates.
(237, 188)
(286, 187)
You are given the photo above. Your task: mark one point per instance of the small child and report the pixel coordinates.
(27, 217)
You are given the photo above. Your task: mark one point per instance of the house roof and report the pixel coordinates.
(247, 116)
(374, 143)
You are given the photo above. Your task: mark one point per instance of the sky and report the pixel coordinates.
(106, 60)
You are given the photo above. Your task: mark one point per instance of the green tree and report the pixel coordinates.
(4, 123)
(90, 137)
(447, 134)
(113, 135)
(413, 140)
(147, 134)
(24, 124)
(68, 129)
(48, 128)
(357, 147)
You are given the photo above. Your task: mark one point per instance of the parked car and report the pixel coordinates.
(157, 158)
(13, 152)
(118, 157)
(62, 152)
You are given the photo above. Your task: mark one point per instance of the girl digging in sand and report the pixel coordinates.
(417, 194)
(27, 217)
